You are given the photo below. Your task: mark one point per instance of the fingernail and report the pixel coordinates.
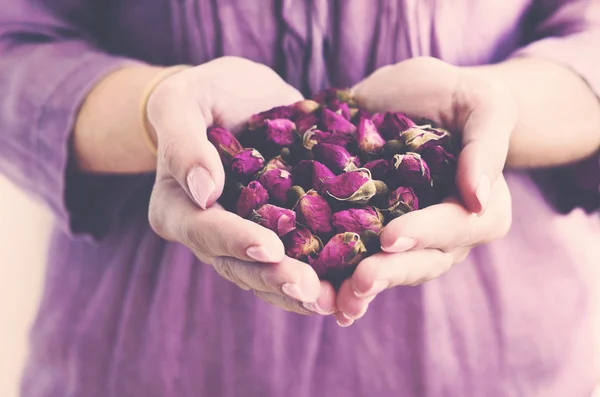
(260, 254)
(378, 286)
(294, 291)
(483, 192)
(314, 307)
(344, 324)
(361, 313)
(401, 244)
(201, 186)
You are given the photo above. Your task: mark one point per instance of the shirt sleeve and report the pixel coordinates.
(48, 64)
(568, 32)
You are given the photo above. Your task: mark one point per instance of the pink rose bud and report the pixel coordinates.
(277, 182)
(279, 131)
(337, 158)
(301, 244)
(339, 257)
(306, 106)
(279, 112)
(369, 140)
(314, 136)
(410, 169)
(401, 201)
(419, 138)
(335, 123)
(378, 168)
(252, 197)
(280, 220)
(340, 108)
(439, 160)
(320, 174)
(227, 145)
(246, 164)
(314, 212)
(357, 220)
(277, 162)
(353, 186)
(307, 121)
(310, 174)
(392, 124)
(334, 95)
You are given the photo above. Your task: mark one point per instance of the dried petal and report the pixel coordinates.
(314, 212)
(419, 138)
(410, 169)
(301, 244)
(279, 112)
(279, 131)
(314, 136)
(392, 148)
(277, 162)
(339, 257)
(357, 220)
(246, 164)
(306, 121)
(333, 95)
(352, 186)
(252, 197)
(378, 168)
(369, 140)
(442, 165)
(337, 158)
(335, 123)
(340, 108)
(227, 145)
(277, 182)
(401, 201)
(392, 124)
(320, 174)
(280, 220)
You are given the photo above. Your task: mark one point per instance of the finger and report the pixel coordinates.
(428, 228)
(383, 270)
(183, 146)
(289, 277)
(350, 306)
(490, 119)
(213, 232)
(325, 304)
(288, 304)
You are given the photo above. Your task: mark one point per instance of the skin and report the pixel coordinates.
(502, 120)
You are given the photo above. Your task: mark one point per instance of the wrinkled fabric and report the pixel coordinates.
(125, 313)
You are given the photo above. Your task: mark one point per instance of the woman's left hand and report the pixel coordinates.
(423, 244)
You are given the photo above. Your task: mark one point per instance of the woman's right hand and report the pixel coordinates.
(190, 179)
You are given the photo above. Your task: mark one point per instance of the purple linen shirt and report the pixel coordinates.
(125, 313)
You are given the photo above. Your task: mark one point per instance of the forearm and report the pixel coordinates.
(108, 136)
(559, 115)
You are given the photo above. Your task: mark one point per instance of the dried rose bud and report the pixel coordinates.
(246, 164)
(369, 140)
(314, 212)
(419, 138)
(306, 106)
(279, 112)
(410, 169)
(279, 131)
(340, 108)
(277, 162)
(314, 136)
(277, 182)
(335, 123)
(320, 174)
(252, 197)
(442, 165)
(301, 244)
(306, 121)
(227, 145)
(337, 158)
(333, 95)
(339, 257)
(378, 168)
(401, 201)
(392, 148)
(353, 186)
(392, 124)
(280, 220)
(357, 220)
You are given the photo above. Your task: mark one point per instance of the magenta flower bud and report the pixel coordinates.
(401, 201)
(337, 158)
(369, 140)
(439, 160)
(340, 108)
(280, 220)
(379, 168)
(227, 145)
(334, 95)
(335, 123)
(353, 186)
(314, 212)
(279, 112)
(392, 124)
(252, 197)
(277, 182)
(306, 106)
(277, 162)
(279, 131)
(420, 138)
(314, 136)
(339, 257)
(357, 220)
(410, 169)
(246, 164)
(320, 174)
(306, 121)
(301, 244)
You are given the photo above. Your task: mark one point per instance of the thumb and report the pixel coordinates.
(183, 145)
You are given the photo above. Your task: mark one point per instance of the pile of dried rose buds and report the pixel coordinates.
(327, 176)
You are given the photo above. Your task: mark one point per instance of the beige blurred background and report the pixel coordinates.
(24, 227)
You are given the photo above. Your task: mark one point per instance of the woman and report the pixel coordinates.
(126, 313)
